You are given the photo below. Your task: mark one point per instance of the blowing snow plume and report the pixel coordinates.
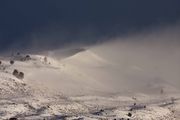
(89, 60)
(146, 62)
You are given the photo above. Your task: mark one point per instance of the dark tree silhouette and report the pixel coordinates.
(13, 118)
(21, 75)
(130, 114)
(11, 62)
(15, 72)
(27, 57)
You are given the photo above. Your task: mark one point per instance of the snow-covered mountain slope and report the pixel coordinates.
(80, 85)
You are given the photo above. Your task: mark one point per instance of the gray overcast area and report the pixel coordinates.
(27, 25)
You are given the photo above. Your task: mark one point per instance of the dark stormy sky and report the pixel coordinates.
(48, 24)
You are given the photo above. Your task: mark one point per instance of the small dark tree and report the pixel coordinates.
(11, 62)
(27, 57)
(21, 75)
(15, 72)
(130, 114)
(13, 118)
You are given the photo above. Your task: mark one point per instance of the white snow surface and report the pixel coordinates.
(82, 86)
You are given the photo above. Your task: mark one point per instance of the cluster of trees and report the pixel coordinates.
(16, 73)
(11, 62)
(20, 57)
(19, 75)
(26, 58)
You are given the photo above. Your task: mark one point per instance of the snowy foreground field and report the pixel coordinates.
(78, 87)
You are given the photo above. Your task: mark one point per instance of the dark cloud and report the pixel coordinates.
(47, 24)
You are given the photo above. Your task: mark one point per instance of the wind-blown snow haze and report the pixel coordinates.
(89, 60)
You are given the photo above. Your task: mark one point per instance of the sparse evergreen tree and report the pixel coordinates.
(21, 75)
(130, 114)
(27, 57)
(15, 72)
(11, 62)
